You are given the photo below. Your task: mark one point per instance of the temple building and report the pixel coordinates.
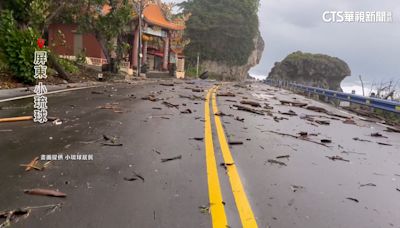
(162, 43)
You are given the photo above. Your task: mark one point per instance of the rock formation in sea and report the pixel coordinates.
(311, 69)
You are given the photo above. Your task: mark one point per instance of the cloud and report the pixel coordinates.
(371, 50)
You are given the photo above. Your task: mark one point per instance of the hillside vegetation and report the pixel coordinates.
(222, 30)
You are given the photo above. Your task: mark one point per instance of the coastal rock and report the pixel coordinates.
(311, 69)
(235, 73)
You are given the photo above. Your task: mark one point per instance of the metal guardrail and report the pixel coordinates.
(391, 106)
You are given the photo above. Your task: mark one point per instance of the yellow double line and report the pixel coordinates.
(217, 209)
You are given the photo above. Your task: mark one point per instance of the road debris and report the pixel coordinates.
(251, 103)
(235, 143)
(272, 161)
(156, 151)
(277, 119)
(288, 113)
(112, 144)
(57, 122)
(337, 157)
(186, 111)
(171, 159)
(113, 141)
(167, 84)
(130, 178)
(283, 156)
(349, 121)
(316, 109)
(296, 188)
(35, 165)
(111, 106)
(303, 133)
(267, 106)
(361, 140)
(219, 113)
(323, 122)
(369, 185)
(15, 119)
(150, 98)
(197, 138)
(239, 119)
(326, 141)
(13, 216)
(298, 137)
(247, 109)
(388, 129)
(170, 105)
(351, 152)
(45, 192)
(204, 209)
(197, 90)
(353, 199)
(226, 94)
(293, 103)
(193, 97)
(135, 177)
(384, 144)
(32, 164)
(378, 135)
(226, 165)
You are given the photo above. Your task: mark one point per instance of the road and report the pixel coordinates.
(273, 178)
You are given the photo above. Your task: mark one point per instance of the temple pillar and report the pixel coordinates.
(166, 53)
(144, 60)
(135, 50)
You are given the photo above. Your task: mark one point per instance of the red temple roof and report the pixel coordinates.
(154, 15)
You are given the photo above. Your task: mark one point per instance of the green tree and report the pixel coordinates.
(22, 23)
(221, 30)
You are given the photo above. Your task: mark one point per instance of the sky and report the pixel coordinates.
(370, 49)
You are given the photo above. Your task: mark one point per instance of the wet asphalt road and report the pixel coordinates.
(172, 192)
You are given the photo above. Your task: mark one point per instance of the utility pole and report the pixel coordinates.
(140, 38)
(197, 66)
(362, 85)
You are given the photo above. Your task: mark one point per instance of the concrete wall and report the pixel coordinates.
(89, 43)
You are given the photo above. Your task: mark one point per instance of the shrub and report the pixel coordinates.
(68, 66)
(17, 47)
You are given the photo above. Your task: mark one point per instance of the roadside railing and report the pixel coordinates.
(391, 106)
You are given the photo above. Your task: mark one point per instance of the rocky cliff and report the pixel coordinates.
(311, 69)
(235, 73)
